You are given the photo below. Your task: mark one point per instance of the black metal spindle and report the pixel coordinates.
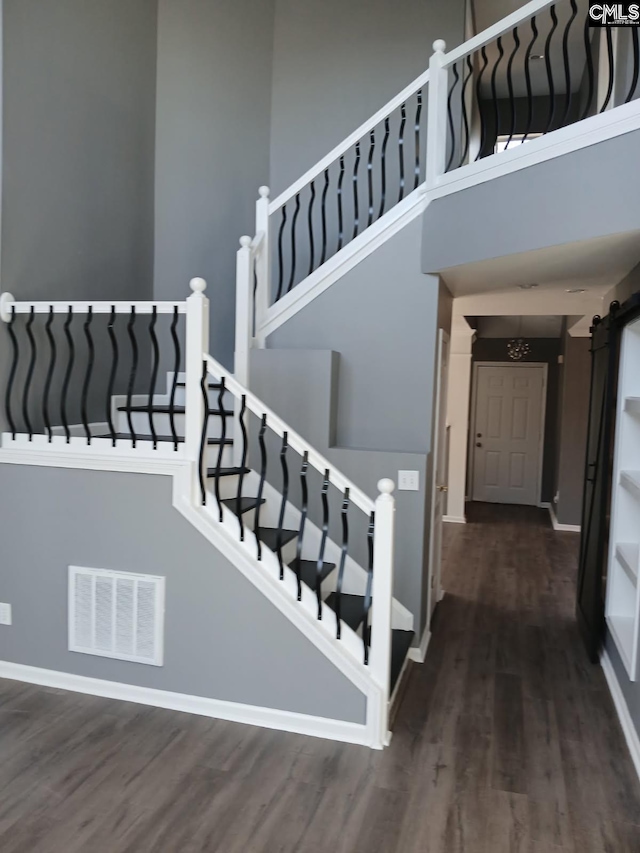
(418, 151)
(202, 474)
(567, 64)
(304, 489)
(354, 180)
(12, 373)
(483, 122)
(283, 222)
(465, 115)
(323, 540)
(452, 132)
(610, 69)
(32, 364)
(339, 201)
(549, 67)
(294, 220)
(112, 374)
(263, 475)
(527, 78)
(283, 503)
(372, 145)
(49, 377)
(155, 353)
(176, 370)
(367, 594)
(325, 190)
(67, 375)
(343, 558)
(310, 225)
(88, 373)
(636, 65)
(221, 446)
(512, 102)
(403, 121)
(494, 91)
(134, 370)
(590, 69)
(243, 462)
(383, 168)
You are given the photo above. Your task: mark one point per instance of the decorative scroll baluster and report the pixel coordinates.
(223, 436)
(243, 463)
(565, 59)
(310, 224)
(202, 474)
(416, 171)
(154, 375)
(89, 371)
(283, 222)
(483, 122)
(323, 541)
(339, 200)
(465, 117)
(294, 220)
(367, 594)
(590, 70)
(263, 475)
(527, 78)
(134, 370)
(403, 121)
(343, 558)
(47, 383)
(67, 375)
(12, 373)
(356, 208)
(512, 103)
(610, 68)
(372, 145)
(494, 93)
(303, 518)
(283, 503)
(174, 384)
(325, 190)
(112, 374)
(636, 65)
(549, 67)
(383, 168)
(452, 132)
(32, 364)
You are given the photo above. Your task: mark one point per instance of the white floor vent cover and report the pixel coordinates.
(116, 615)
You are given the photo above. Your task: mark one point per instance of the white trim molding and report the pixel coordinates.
(419, 653)
(221, 709)
(454, 519)
(567, 528)
(622, 709)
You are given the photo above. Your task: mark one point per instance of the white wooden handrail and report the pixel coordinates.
(295, 441)
(8, 305)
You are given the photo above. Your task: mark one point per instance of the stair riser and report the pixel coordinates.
(162, 424)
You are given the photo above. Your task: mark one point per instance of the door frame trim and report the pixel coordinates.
(543, 417)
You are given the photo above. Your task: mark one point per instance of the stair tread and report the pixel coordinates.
(246, 504)
(227, 472)
(166, 410)
(400, 645)
(141, 437)
(269, 537)
(309, 571)
(351, 608)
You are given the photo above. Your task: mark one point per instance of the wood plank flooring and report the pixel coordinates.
(506, 741)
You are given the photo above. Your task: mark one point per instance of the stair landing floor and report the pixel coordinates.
(506, 741)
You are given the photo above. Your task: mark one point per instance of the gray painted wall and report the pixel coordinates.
(212, 146)
(223, 639)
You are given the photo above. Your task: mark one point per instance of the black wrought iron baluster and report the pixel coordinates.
(452, 132)
(354, 180)
(112, 374)
(567, 64)
(243, 463)
(367, 593)
(134, 370)
(343, 558)
(283, 222)
(383, 168)
(494, 92)
(610, 69)
(403, 121)
(32, 364)
(155, 359)
(67, 375)
(527, 78)
(294, 220)
(176, 370)
(588, 32)
(483, 122)
(636, 65)
(283, 503)
(222, 439)
(310, 225)
(339, 201)
(304, 489)
(202, 474)
(465, 115)
(88, 373)
(12, 373)
(263, 475)
(325, 190)
(372, 146)
(418, 151)
(323, 540)
(549, 67)
(49, 377)
(512, 103)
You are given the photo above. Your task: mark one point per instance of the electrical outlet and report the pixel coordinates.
(408, 481)
(5, 614)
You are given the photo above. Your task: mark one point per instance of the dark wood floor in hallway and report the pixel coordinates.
(506, 741)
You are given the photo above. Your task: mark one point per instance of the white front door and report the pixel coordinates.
(440, 468)
(507, 436)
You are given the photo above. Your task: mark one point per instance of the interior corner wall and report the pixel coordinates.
(212, 146)
(336, 62)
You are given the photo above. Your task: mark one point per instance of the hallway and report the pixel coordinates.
(506, 742)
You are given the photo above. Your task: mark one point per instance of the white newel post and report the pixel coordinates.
(263, 264)
(197, 346)
(382, 593)
(437, 115)
(244, 327)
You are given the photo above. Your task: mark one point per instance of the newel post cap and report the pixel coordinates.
(439, 46)
(6, 300)
(263, 192)
(386, 486)
(198, 285)
(245, 241)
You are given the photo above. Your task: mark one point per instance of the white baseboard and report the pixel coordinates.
(454, 519)
(268, 718)
(419, 653)
(568, 528)
(628, 728)
(544, 504)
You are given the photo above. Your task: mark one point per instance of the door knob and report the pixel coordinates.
(478, 444)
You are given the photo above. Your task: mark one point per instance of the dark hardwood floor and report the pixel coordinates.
(506, 742)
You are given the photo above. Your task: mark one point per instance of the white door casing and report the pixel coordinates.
(439, 472)
(507, 433)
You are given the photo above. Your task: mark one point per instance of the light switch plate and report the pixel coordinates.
(409, 481)
(5, 614)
